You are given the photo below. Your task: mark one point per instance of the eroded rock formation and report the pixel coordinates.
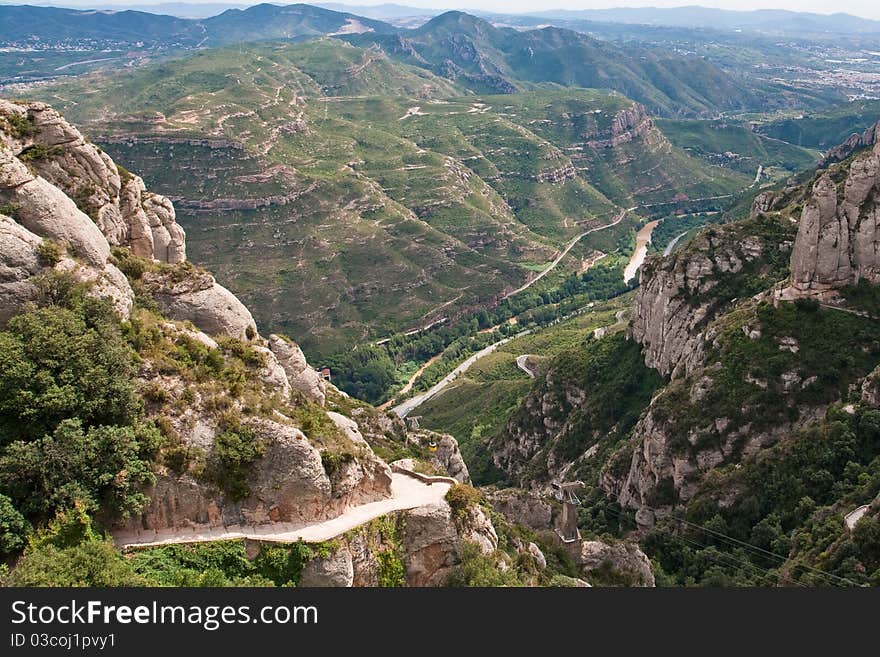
(838, 241)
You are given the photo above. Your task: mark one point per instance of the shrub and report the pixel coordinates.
(282, 564)
(14, 529)
(40, 152)
(19, 126)
(50, 253)
(93, 563)
(334, 461)
(461, 497)
(235, 450)
(479, 570)
(391, 572)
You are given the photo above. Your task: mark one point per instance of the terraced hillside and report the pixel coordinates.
(346, 196)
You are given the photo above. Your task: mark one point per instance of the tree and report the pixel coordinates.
(60, 363)
(14, 529)
(104, 467)
(92, 563)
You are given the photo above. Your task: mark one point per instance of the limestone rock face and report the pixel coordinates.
(45, 210)
(629, 124)
(116, 201)
(622, 561)
(838, 240)
(430, 544)
(475, 526)
(19, 263)
(651, 474)
(288, 484)
(674, 304)
(300, 374)
(851, 145)
(334, 570)
(198, 298)
(448, 457)
(522, 507)
(820, 258)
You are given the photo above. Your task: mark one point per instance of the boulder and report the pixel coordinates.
(337, 569)
(430, 542)
(300, 374)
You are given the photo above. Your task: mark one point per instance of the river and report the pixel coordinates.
(643, 238)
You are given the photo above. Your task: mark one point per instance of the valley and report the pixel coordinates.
(292, 296)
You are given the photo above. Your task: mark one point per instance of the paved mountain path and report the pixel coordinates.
(406, 493)
(522, 362)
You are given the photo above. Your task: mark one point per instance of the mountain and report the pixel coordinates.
(482, 57)
(139, 401)
(772, 21)
(257, 23)
(736, 421)
(390, 200)
(51, 24)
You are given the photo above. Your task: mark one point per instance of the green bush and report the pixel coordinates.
(40, 152)
(282, 564)
(93, 563)
(235, 450)
(60, 363)
(391, 571)
(14, 529)
(479, 570)
(50, 253)
(461, 497)
(104, 466)
(19, 126)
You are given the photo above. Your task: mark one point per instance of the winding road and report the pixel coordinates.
(522, 362)
(564, 253)
(406, 493)
(407, 406)
(672, 243)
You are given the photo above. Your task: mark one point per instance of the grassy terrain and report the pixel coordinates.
(736, 147)
(481, 401)
(345, 196)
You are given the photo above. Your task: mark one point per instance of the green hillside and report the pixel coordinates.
(345, 195)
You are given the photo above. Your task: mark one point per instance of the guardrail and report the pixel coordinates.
(425, 479)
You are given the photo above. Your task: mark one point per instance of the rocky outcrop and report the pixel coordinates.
(675, 301)
(115, 200)
(628, 124)
(46, 211)
(522, 507)
(337, 569)
(19, 264)
(300, 374)
(430, 543)
(838, 240)
(851, 145)
(188, 294)
(39, 212)
(613, 564)
(287, 484)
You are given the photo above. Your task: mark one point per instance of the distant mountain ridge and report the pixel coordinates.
(763, 20)
(258, 23)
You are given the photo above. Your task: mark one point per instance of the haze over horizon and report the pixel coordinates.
(862, 8)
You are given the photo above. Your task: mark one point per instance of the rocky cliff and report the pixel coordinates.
(681, 294)
(837, 241)
(68, 209)
(628, 125)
